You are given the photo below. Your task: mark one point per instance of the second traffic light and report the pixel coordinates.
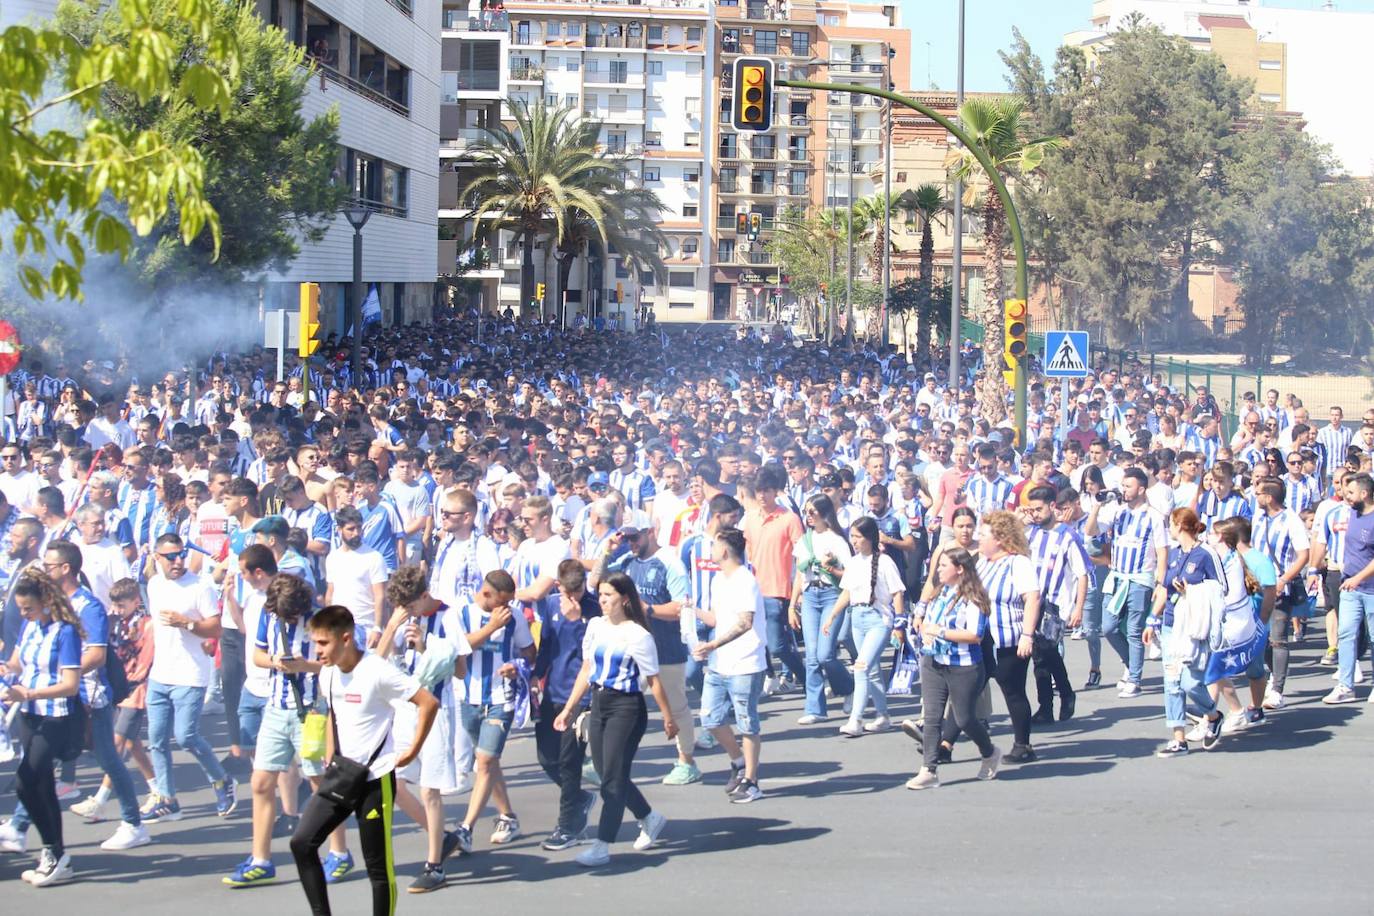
(539, 292)
(755, 224)
(753, 103)
(1013, 335)
(307, 342)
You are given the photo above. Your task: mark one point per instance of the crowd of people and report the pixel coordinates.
(378, 579)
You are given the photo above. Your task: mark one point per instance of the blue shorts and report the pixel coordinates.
(279, 743)
(487, 725)
(720, 693)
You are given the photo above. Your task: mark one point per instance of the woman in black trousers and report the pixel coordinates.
(618, 662)
(1008, 576)
(47, 661)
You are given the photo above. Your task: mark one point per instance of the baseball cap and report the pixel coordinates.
(829, 481)
(272, 526)
(598, 479)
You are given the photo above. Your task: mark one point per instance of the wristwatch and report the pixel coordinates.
(189, 625)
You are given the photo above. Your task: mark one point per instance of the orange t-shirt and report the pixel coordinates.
(769, 542)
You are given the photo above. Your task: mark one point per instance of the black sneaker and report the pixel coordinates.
(284, 826)
(747, 792)
(736, 778)
(450, 845)
(1255, 716)
(1173, 749)
(1043, 716)
(1021, 753)
(1212, 735)
(431, 879)
(944, 755)
(560, 839)
(1094, 680)
(1067, 707)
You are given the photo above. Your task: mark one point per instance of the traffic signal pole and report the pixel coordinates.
(994, 178)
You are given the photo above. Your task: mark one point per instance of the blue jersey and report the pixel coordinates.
(95, 622)
(296, 644)
(381, 528)
(660, 579)
(1212, 509)
(44, 652)
(984, 496)
(1136, 536)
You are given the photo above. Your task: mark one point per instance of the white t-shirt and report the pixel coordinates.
(732, 595)
(257, 679)
(352, 573)
(667, 505)
(858, 573)
(21, 490)
(104, 564)
(361, 703)
(820, 545)
(178, 659)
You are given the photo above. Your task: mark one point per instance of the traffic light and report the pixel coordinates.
(1014, 336)
(539, 292)
(742, 223)
(753, 102)
(310, 319)
(755, 224)
(619, 291)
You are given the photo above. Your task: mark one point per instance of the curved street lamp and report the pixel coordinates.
(357, 215)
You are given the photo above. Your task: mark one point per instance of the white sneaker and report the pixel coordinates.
(1273, 700)
(1197, 732)
(91, 808)
(12, 840)
(1359, 673)
(1235, 722)
(649, 830)
(66, 791)
(1125, 679)
(1153, 652)
(50, 870)
(851, 729)
(1340, 694)
(771, 685)
(1130, 690)
(127, 836)
(810, 719)
(880, 724)
(594, 856)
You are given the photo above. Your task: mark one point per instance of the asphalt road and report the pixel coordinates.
(1273, 821)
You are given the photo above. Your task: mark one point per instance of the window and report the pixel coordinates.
(592, 102)
(765, 41)
(798, 109)
(691, 174)
(689, 211)
(377, 182)
(725, 250)
(682, 278)
(650, 173)
(726, 103)
(727, 146)
(693, 108)
(796, 181)
(761, 182)
(729, 40)
(522, 33)
(1272, 98)
(656, 33)
(619, 71)
(574, 64)
(901, 177)
(551, 100)
(694, 68)
(570, 100)
(763, 146)
(574, 30)
(655, 68)
(688, 305)
(691, 141)
(618, 103)
(693, 34)
(653, 139)
(727, 179)
(690, 246)
(646, 278)
(796, 149)
(621, 271)
(1271, 65)
(593, 65)
(801, 44)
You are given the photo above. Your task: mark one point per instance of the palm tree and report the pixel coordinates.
(835, 225)
(874, 214)
(924, 205)
(630, 226)
(549, 174)
(998, 127)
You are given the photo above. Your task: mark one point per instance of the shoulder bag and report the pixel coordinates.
(344, 781)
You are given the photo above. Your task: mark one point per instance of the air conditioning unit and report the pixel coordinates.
(748, 30)
(784, 33)
(782, 69)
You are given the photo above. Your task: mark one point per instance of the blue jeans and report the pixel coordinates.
(781, 644)
(176, 710)
(1130, 647)
(696, 671)
(871, 632)
(1092, 618)
(1180, 686)
(1355, 608)
(822, 663)
(250, 717)
(103, 747)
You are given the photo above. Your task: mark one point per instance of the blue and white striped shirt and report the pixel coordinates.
(637, 488)
(1279, 537)
(1060, 561)
(948, 610)
(1302, 493)
(1329, 525)
(484, 685)
(1336, 440)
(984, 496)
(1211, 508)
(1136, 536)
(44, 651)
(296, 645)
(622, 655)
(1007, 580)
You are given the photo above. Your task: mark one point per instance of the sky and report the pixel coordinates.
(987, 30)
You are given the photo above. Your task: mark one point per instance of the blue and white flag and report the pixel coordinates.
(1233, 661)
(372, 307)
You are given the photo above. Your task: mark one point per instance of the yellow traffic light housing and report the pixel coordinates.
(539, 291)
(753, 101)
(1014, 317)
(755, 225)
(742, 223)
(308, 341)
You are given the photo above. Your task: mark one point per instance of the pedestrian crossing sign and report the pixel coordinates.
(1066, 354)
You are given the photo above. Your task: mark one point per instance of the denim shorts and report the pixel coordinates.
(487, 725)
(742, 691)
(279, 743)
(250, 717)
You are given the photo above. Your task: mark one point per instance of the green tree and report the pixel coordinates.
(1135, 192)
(1301, 243)
(630, 226)
(548, 174)
(927, 305)
(270, 175)
(999, 128)
(68, 188)
(925, 205)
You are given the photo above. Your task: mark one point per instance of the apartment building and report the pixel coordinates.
(1299, 59)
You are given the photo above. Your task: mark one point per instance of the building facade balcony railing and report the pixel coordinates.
(460, 21)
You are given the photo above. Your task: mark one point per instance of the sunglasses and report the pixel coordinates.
(170, 556)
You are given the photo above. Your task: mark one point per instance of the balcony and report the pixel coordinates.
(526, 74)
(762, 189)
(461, 138)
(616, 42)
(754, 257)
(798, 155)
(460, 21)
(448, 190)
(855, 68)
(608, 116)
(598, 80)
(621, 149)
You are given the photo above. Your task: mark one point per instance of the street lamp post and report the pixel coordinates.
(357, 216)
(956, 290)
